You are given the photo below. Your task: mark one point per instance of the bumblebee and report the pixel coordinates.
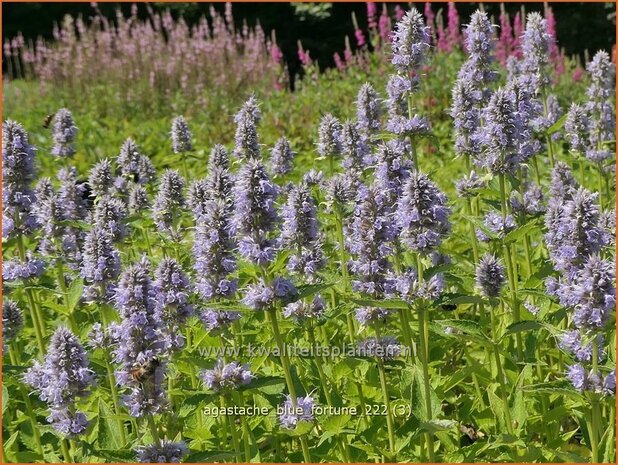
(47, 120)
(141, 372)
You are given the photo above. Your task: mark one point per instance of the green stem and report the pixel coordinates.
(65, 295)
(34, 309)
(153, 430)
(285, 362)
(232, 424)
(500, 371)
(14, 355)
(65, 451)
(424, 352)
(341, 443)
(390, 424)
(246, 433)
(595, 426)
(549, 142)
(344, 265)
(412, 147)
(511, 272)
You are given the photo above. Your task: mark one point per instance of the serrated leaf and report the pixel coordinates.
(557, 126)
(433, 426)
(309, 290)
(526, 325)
(465, 327)
(109, 435)
(520, 232)
(336, 423)
(558, 388)
(74, 293)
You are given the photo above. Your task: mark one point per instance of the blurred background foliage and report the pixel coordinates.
(321, 27)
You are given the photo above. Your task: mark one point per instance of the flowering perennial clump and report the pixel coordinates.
(440, 237)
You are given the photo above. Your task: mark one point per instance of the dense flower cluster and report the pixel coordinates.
(181, 136)
(166, 452)
(12, 320)
(292, 413)
(100, 264)
(171, 293)
(213, 249)
(490, 276)
(61, 379)
(141, 341)
(422, 214)
(64, 131)
(255, 216)
(300, 232)
(169, 202)
(246, 140)
(227, 376)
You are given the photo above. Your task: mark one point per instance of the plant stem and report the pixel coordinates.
(511, 272)
(63, 287)
(153, 430)
(65, 451)
(341, 443)
(14, 355)
(246, 432)
(39, 330)
(226, 402)
(412, 148)
(390, 424)
(285, 362)
(344, 264)
(595, 429)
(424, 352)
(500, 371)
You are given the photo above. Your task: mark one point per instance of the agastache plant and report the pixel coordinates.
(17, 175)
(300, 232)
(61, 379)
(169, 202)
(141, 341)
(255, 216)
(213, 249)
(100, 265)
(64, 132)
(246, 140)
(171, 293)
(282, 157)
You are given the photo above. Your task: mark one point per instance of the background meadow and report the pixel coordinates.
(453, 222)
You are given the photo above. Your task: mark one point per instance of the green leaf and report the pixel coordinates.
(309, 290)
(465, 328)
(5, 398)
(267, 384)
(519, 404)
(520, 232)
(557, 387)
(557, 126)
(74, 293)
(335, 424)
(526, 325)
(433, 426)
(458, 299)
(497, 406)
(109, 435)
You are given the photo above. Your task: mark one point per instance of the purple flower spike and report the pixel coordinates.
(64, 132)
(63, 376)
